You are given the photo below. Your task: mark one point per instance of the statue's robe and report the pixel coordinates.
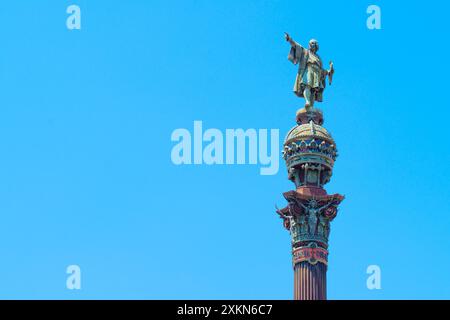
(310, 72)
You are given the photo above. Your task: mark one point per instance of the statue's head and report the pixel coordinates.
(313, 45)
(313, 203)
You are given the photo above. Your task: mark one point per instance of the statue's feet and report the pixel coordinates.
(307, 106)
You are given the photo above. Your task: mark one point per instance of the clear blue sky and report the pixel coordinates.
(85, 171)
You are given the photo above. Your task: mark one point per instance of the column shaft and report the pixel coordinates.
(310, 282)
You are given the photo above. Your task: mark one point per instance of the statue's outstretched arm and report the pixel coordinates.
(289, 39)
(325, 206)
(302, 205)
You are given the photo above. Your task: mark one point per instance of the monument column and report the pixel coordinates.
(309, 152)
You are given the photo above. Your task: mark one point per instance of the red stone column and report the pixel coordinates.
(310, 281)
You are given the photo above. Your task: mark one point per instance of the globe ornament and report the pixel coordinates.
(309, 151)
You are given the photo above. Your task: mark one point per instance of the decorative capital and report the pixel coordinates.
(308, 218)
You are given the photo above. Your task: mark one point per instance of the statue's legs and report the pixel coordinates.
(309, 97)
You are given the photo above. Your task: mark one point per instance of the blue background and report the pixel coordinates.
(86, 176)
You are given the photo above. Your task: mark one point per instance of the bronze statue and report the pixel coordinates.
(310, 81)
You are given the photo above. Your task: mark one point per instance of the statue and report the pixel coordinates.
(313, 213)
(310, 81)
(312, 221)
(303, 224)
(322, 227)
